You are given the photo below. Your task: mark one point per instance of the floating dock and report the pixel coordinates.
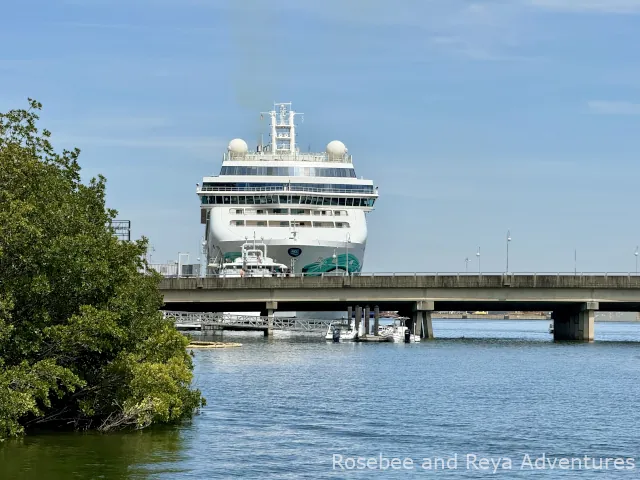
(200, 344)
(373, 339)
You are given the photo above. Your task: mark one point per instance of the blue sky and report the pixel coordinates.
(472, 117)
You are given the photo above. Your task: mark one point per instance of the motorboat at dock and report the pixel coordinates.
(398, 332)
(344, 331)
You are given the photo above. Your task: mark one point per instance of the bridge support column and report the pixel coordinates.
(367, 314)
(358, 317)
(376, 320)
(422, 319)
(418, 320)
(349, 315)
(575, 324)
(271, 310)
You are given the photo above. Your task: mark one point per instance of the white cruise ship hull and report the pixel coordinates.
(312, 260)
(305, 256)
(306, 251)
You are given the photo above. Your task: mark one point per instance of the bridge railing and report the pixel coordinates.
(172, 273)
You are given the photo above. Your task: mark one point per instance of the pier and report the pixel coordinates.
(218, 323)
(573, 299)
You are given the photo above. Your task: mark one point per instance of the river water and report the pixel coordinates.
(484, 396)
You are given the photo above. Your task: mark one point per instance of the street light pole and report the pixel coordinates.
(478, 255)
(466, 265)
(636, 254)
(508, 240)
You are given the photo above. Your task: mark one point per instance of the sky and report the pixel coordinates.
(473, 118)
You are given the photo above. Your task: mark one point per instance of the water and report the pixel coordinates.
(282, 408)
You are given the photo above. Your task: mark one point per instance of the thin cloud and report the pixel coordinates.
(156, 28)
(126, 122)
(602, 6)
(144, 142)
(613, 108)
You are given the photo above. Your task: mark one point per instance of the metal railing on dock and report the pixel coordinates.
(217, 321)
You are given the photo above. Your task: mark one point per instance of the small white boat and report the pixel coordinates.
(344, 332)
(398, 332)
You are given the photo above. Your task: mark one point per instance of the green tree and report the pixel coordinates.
(82, 341)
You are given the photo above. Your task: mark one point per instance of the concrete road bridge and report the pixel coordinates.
(572, 298)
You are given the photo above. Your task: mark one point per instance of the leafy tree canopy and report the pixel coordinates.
(82, 341)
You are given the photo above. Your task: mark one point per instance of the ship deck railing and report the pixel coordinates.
(287, 189)
(316, 157)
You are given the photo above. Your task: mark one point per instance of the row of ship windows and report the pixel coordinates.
(285, 199)
(279, 187)
(263, 223)
(290, 171)
(287, 211)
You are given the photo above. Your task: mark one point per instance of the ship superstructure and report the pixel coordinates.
(309, 208)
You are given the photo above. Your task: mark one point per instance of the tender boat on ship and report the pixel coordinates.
(253, 262)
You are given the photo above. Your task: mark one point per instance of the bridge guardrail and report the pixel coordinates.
(416, 274)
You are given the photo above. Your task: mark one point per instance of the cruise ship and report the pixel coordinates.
(309, 209)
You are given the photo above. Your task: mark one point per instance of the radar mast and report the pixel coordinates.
(283, 128)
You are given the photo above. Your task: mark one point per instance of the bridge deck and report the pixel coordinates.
(546, 292)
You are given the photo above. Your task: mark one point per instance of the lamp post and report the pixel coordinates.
(478, 255)
(466, 265)
(508, 241)
(335, 262)
(636, 254)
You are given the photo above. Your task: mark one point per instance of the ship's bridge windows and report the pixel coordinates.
(285, 200)
(236, 211)
(340, 213)
(289, 171)
(342, 225)
(323, 224)
(237, 223)
(302, 224)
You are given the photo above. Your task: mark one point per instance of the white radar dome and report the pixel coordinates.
(237, 145)
(336, 147)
